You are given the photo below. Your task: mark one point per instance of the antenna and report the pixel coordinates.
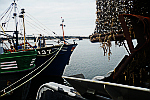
(63, 29)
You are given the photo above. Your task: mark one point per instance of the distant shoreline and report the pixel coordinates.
(53, 37)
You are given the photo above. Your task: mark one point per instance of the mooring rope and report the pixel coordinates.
(29, 73)
(53, 57)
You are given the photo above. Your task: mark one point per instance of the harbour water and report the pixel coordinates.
(88, 58)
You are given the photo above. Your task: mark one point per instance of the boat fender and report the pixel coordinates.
(56, 88)
(98, 78)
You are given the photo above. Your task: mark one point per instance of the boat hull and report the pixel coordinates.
(126, 92)
(108, 89)
(54, 71)
(14, 66)
(86, 86)
(57, 66)
(9, 78)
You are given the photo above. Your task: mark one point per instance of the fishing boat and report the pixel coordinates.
(52, 71)
(50, 61)
(56, 68)
(44, 52)
(15, 66)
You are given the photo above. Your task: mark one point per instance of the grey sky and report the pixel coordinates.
(79, 15)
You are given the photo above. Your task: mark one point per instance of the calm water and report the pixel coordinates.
(88, 58)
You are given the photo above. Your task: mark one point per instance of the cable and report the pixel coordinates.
(32, 26)
(8, 15)
(37, 28)
(38, 24)
(5, 12)
(41, 23)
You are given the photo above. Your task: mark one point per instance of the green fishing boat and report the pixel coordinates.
(17, 61)
(13, 67)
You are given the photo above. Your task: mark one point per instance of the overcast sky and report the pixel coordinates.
(79, 15)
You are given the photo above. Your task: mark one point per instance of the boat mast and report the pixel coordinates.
(15, 14)
(63, 29)
(16, 24)
(22, 12)
(22, 16)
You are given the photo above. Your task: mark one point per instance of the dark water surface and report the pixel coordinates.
(88, 58)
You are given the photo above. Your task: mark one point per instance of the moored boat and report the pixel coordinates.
(56, 68)
(50, 61)
(52, 72)
(14, 66)
(44, 52)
